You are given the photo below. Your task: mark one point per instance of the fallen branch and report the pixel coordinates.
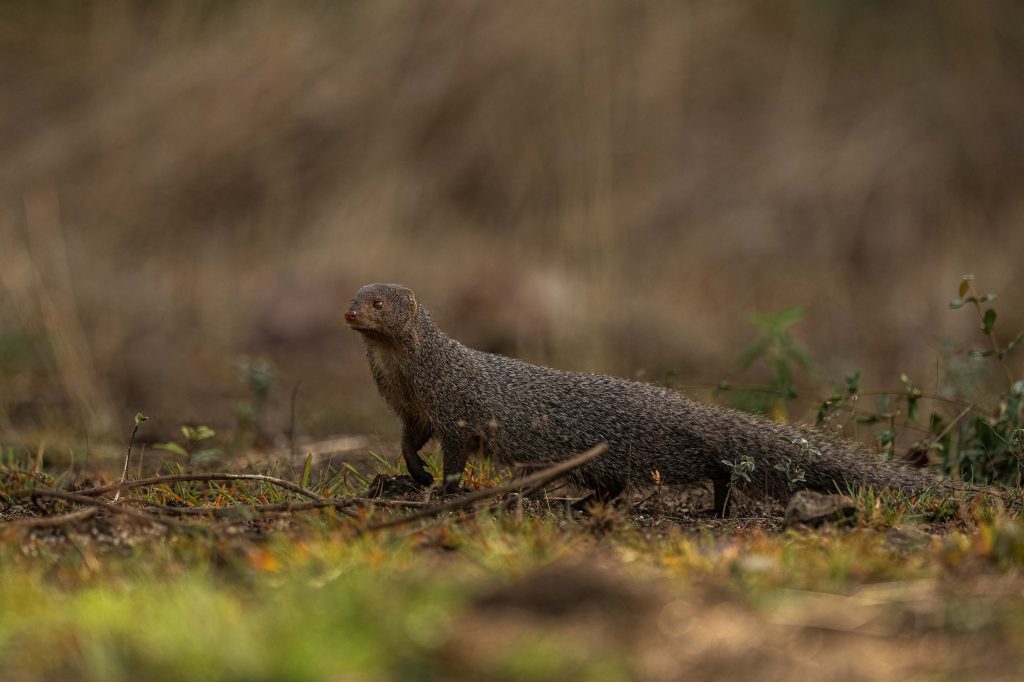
(185, 478)
(87, 497)
(537, 480)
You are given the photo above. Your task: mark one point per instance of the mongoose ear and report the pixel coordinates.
(413, 306)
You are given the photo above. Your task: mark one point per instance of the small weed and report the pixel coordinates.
(193, 450)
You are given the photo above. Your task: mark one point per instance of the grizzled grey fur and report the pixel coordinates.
(522, 413)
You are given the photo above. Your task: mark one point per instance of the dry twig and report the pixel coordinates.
(52, 520)
(228, 510)
(100, 504)
(184, 478)
(540, 479)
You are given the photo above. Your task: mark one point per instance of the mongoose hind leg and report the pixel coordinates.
(415, 434)
(456, 449)
(721, 495)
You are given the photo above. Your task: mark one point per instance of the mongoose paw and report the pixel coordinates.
(418, 471)
(422, 477)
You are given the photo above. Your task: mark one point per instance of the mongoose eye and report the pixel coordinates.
(378, 304)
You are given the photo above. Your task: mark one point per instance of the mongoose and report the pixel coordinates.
(523, 413)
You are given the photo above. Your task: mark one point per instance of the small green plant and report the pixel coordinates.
(258, 376)
(775, 347)
(794, 474)
(194, 449)
(139, 418)
(987, 315)
(831, 405)
(979, 443)
(739, 470)
(990, 446)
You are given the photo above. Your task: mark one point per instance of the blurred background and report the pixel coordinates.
(191, 192)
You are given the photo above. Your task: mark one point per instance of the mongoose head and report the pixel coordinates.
(382, 310)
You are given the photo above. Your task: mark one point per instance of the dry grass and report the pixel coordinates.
(606, 185)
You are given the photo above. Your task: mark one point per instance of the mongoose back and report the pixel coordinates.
(523, 413)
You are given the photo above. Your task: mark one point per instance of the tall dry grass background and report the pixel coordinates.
(606, 185)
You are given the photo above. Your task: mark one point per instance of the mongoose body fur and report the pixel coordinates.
(523, 413)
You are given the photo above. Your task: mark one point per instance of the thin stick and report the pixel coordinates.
(183, 478)
(128, 455)
(55, 520)
(102, 504)
(291, 426)
(998, 354)
(340, 505)
(949, 426)
(546, 476)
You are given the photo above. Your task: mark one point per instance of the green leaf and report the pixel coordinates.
(306, 470)
(853, 382)
(780, 321)
(830, 405)
(203, 432)
(988, 321)
(961, 302)
(1016, 340)
(139, 418)
(355, 474)
(172, 447)
(754, 351)
(885, 437)
(205, 456)
(789, 317)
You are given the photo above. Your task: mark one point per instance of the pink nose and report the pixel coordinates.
(349, 315)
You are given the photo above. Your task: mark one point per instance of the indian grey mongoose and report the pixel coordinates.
(522, 413)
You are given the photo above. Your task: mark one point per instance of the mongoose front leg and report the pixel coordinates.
(415, 434)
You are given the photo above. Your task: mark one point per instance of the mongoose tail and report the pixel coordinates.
(522, 413)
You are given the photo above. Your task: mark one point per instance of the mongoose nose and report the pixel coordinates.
(350, 315)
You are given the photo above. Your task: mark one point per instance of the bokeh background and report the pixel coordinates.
(191, 192)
